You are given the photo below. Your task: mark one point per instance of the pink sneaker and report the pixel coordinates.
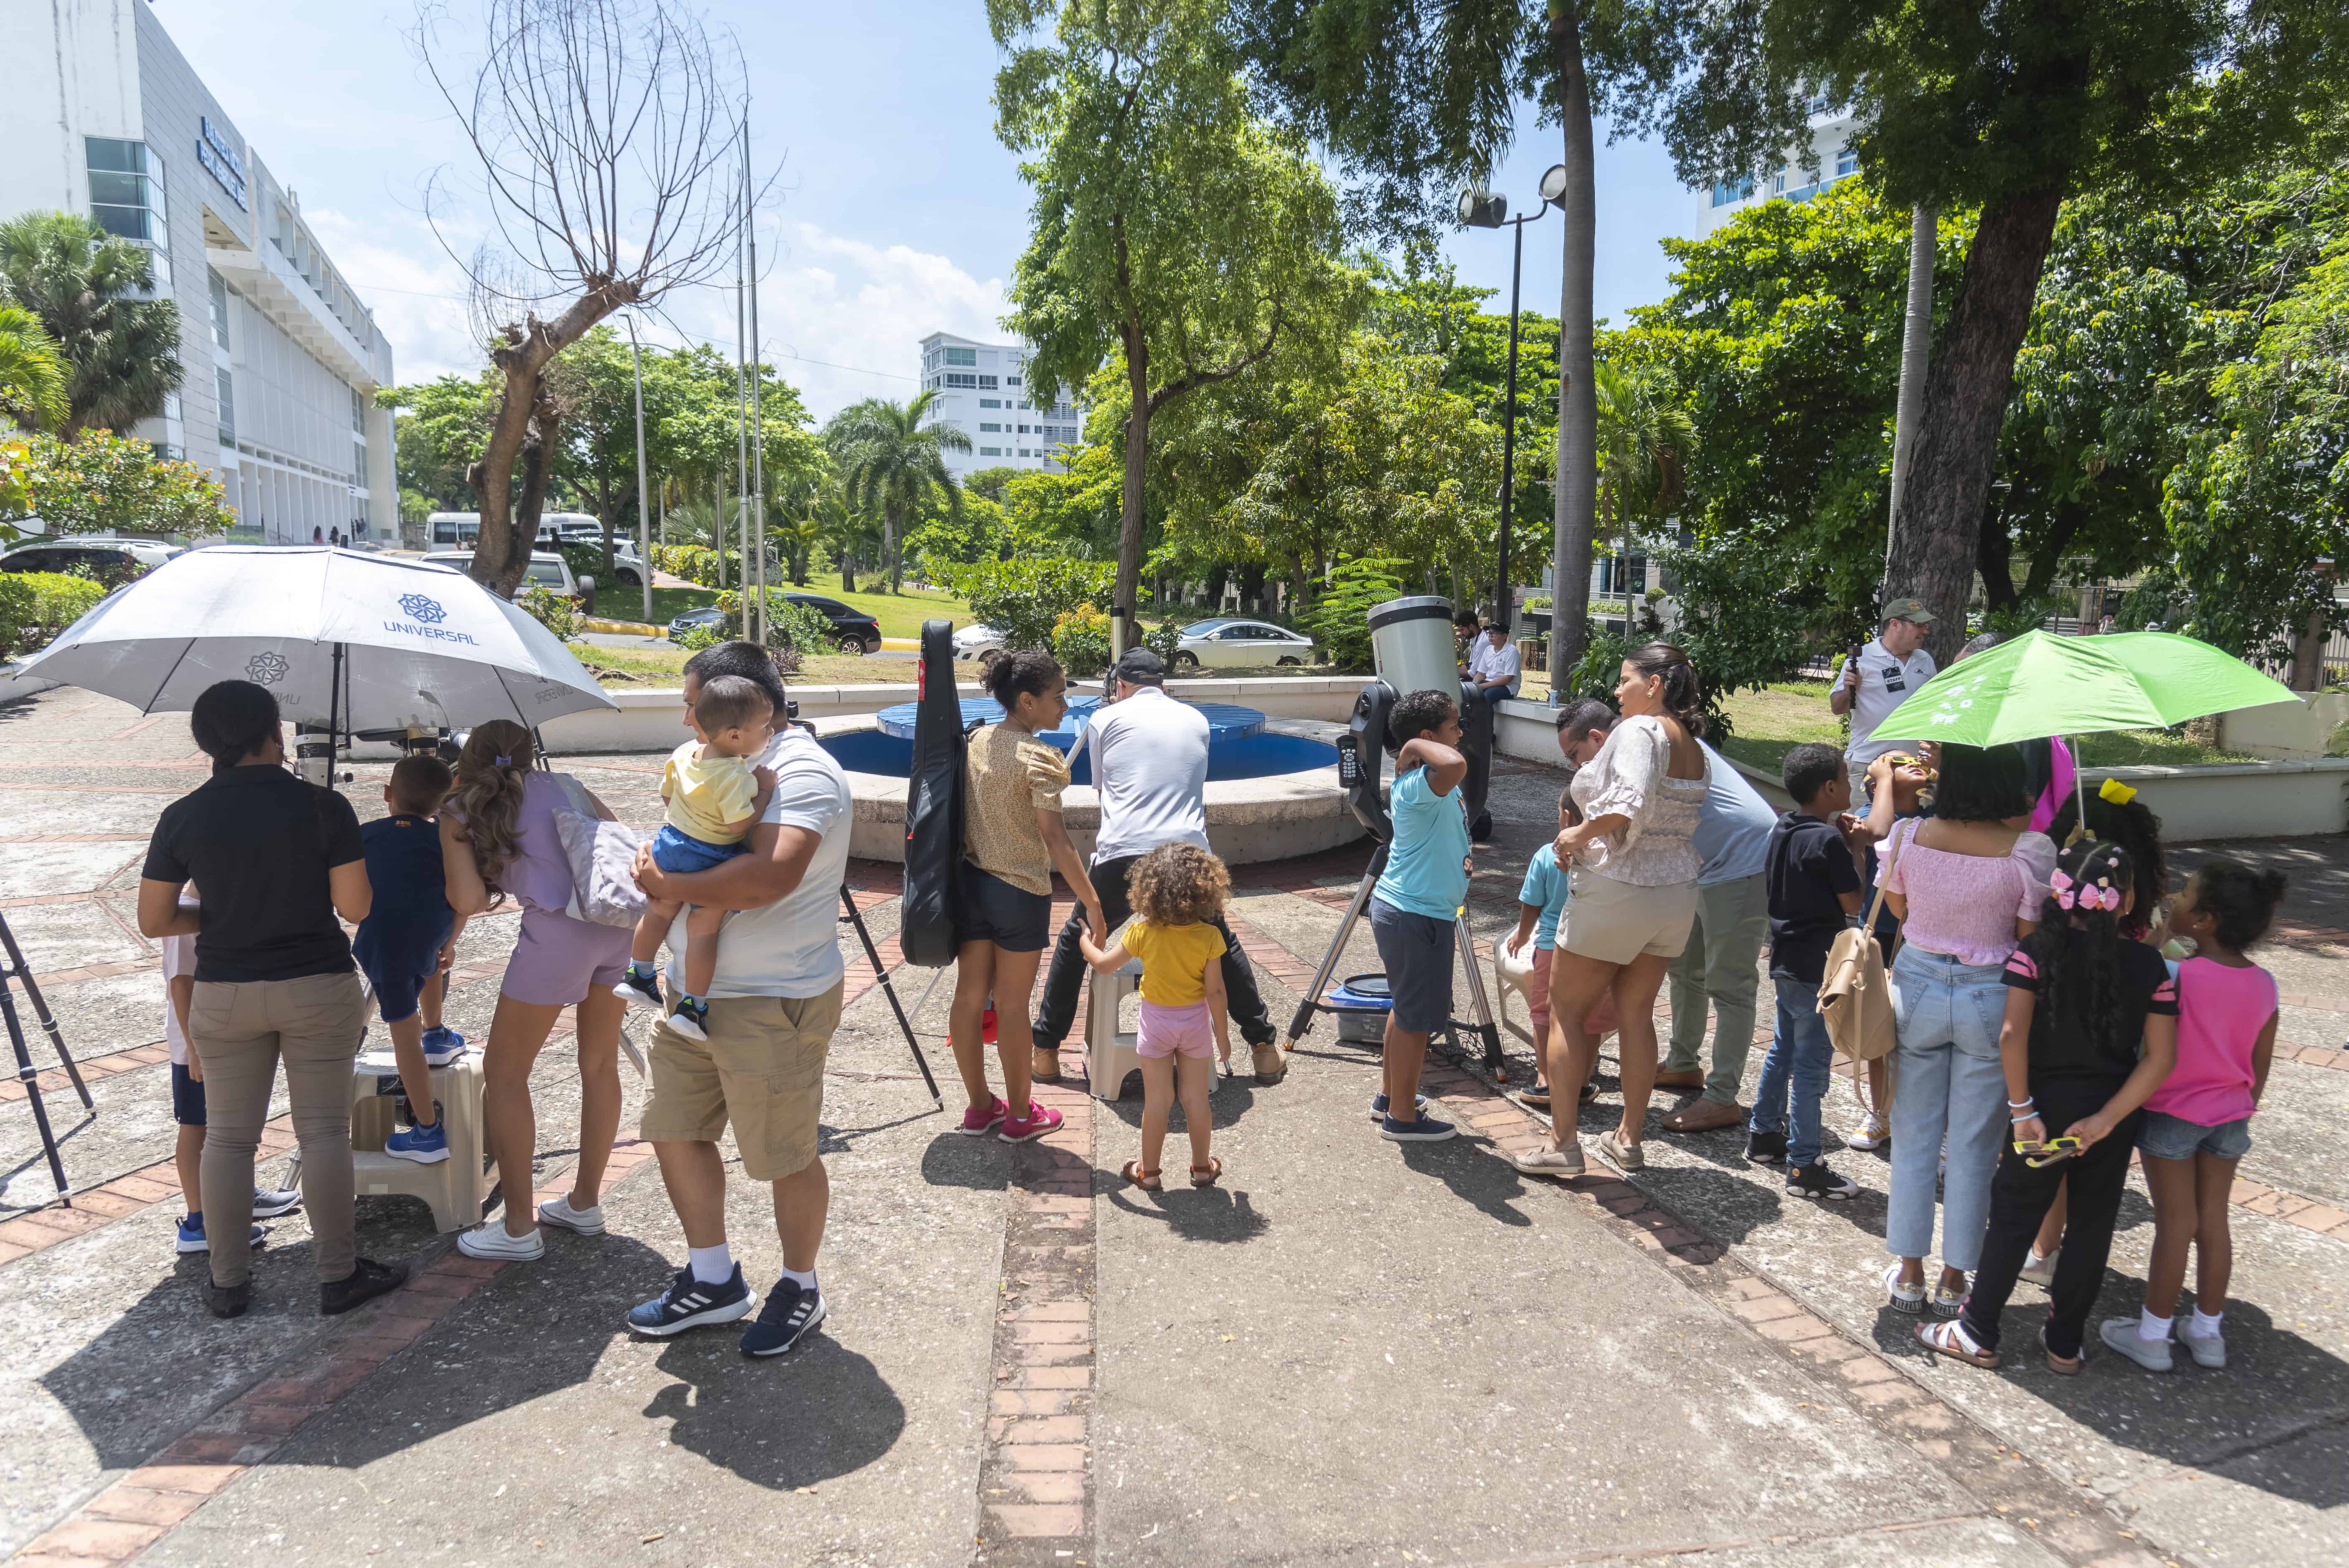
(1039, 1120)
(974, 1123)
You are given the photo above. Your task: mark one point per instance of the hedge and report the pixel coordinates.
(35, 606)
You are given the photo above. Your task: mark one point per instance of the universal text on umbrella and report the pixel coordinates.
(443, 633)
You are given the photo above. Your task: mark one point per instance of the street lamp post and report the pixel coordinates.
(643, 510)
(1483, 210)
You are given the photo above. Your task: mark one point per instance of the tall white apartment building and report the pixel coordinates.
(101, 114)
(1831, 136)
(982, 392)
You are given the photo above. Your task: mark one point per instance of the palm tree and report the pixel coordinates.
(33, 379)
(847, 531)
(91, 293)
(795, 540)
(1645, 439)
(890, 459)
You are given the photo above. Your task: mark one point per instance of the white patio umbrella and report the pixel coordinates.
(346, 641)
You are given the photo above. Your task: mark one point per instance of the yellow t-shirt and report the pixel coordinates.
(706, 793)
(1175, 959)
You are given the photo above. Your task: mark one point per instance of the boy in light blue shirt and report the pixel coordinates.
(1541, 902)
(1416, 903)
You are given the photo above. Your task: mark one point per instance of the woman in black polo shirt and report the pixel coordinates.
(275, 860)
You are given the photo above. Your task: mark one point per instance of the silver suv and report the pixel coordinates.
(547, 570)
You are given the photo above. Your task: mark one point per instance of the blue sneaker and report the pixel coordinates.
(1424, 1129)
(688, 1303)
(1378, 1106)
(191, 1234)
(442, 1046)
(420, 1145)
(791, 1311)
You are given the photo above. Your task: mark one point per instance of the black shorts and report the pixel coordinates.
(400, 959)
(187, 1097)
(1417, 953)
(994, 911)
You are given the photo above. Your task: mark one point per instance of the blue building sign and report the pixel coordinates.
(222, 161)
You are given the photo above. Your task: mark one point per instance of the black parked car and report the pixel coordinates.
(852, 631)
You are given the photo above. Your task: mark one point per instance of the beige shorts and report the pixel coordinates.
(1614, 922)
(761, 1068)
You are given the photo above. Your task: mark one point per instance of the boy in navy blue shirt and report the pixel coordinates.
(403, 944)
(1814, 891)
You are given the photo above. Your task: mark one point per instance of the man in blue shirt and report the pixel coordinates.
(1416, 905)
(1719, 966)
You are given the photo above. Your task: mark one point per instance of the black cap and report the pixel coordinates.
(1141, 667)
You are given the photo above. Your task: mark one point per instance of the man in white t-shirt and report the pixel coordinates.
(1150, 764)
(1492, 664)
(773, 1005)
(1884, 674)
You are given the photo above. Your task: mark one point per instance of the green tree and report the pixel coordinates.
(1645, 441)
(1169, 225)
(893, 462)
(2010, 108)
(93, 295)
(441, 427)
(33, 380)
(104, 483)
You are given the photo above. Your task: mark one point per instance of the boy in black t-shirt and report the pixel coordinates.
(1814, 892)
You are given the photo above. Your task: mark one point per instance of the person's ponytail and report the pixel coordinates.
(491, 773)
(1666, 663)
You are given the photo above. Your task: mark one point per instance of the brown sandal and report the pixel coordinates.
(1147, 1181)
(1214, 1168)
(2069, 1369)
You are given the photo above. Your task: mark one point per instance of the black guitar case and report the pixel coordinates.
(934, 808)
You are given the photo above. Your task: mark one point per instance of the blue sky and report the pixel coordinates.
(898, 212)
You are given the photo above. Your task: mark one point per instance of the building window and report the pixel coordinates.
(226, 386)
(166, 452)
(1012, 381)
(990, 451)
(171, 406)
(358, 413)
(126, 189)
(219, 287)
(958, 357)
(987, 383)
(991, 429)
(991, 402)
(1026, 453)
(1816, 104)
(963, 379)
(1846, 163)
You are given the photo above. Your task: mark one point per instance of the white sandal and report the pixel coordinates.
(1950, 1338)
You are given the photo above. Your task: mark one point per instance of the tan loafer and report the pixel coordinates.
(1687, 1078)
(1705, 1116)
(1046, 1065)
(1271, 1064)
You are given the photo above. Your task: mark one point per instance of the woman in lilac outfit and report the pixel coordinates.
(498, 838)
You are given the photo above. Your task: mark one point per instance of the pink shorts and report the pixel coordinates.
(1166, 1031)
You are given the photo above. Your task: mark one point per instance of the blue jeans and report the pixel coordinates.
(1950, 1087)
(1794, 1073)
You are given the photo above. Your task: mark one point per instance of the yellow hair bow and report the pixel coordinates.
(2119, 793)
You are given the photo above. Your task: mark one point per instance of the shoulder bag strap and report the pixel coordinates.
(1884, 876)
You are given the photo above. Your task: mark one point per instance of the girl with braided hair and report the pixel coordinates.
(2090, 1032)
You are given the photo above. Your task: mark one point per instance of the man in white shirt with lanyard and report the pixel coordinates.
(1879, 678)
(1150, 763)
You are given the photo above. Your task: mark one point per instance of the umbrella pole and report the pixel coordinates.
(334, 714)
(2080, 795)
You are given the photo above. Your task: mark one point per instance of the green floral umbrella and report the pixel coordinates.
(2039, 685)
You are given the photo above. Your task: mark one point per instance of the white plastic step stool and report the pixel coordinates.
(1111, 1053)
(455, 1187)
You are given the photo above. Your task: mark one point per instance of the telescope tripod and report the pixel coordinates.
(14, 972)
(1312, 1003)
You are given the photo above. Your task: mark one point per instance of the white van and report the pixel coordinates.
(555, 528)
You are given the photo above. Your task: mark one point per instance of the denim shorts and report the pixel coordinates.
(675, 850)
(2165, 1137)
(1012, 918)
(1417, 952)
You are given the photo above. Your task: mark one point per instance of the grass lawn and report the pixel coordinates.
(666, 668)
(901, 614)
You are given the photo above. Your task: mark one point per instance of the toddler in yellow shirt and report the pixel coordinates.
(716, 796)
(1177, 889)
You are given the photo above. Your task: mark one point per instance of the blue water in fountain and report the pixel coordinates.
(1239, 745)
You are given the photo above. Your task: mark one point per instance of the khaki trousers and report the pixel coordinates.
(238, 1032)
(1717, 967)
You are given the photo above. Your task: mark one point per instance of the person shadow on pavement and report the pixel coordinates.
(843, 1415)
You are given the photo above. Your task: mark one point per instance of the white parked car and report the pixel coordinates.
(1224, 643)
(984, 643)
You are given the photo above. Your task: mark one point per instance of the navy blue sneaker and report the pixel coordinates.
(191, 1234)
(1425, 1128)
(1378, 1106)
(791, 1311)
(441, 1047)
(688, 1303)
(640, 990)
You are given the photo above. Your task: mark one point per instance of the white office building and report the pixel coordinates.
(101, 114)
(1831, 142)
(982, 392)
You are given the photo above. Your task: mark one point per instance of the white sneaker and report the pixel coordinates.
(2039, 1271)
(1904, 1297)
(269, 1203)
(490, 1240)
(1870, 1134)
(558, 1213)
(2208, 1349)
(2120, 1333)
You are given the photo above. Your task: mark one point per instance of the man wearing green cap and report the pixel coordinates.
(1877, 679)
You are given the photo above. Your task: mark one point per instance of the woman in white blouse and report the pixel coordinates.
(1633, 899)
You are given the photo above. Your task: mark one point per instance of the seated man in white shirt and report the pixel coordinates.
(1492, 664)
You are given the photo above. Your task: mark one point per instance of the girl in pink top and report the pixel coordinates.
(2197, 1123)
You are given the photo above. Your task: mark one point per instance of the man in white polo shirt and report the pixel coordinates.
(1492, 664)
(1150, 764)
(1884, 674)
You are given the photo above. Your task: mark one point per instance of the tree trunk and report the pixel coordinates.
(1137, 455)
(1936, 532)
(1576, 493)
(539, 447)
(1916, 348)
(893, 548)
(2069, 516)
(1993, 558)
